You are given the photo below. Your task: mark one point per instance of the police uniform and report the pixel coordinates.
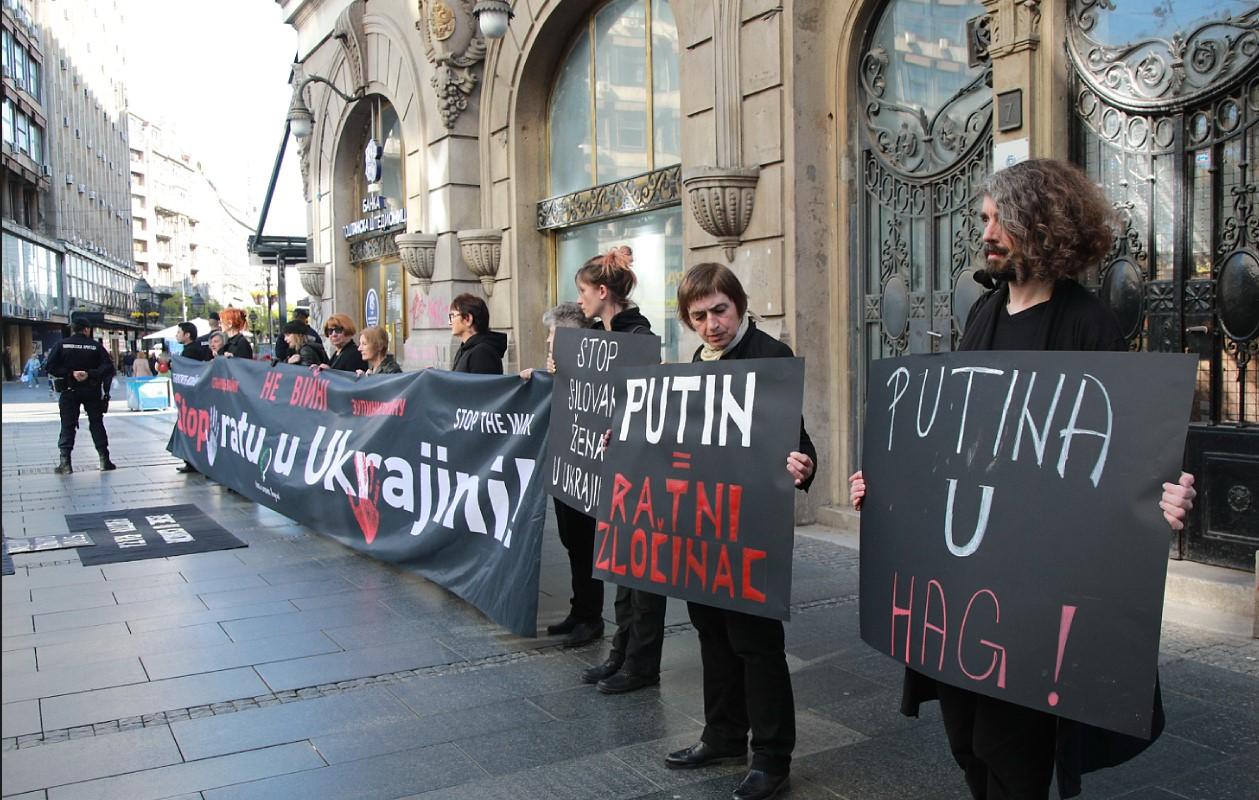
(81, 353)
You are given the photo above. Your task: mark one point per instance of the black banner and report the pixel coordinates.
(696, 501)
(1011, 538)
(134, 534)
(583, 404)
(435, 471)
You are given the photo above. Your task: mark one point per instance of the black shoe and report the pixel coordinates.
(186, 468)
(106, 464)
(623, 682)
(64, 467)
(759, 785)
(702, 755)
(584, 633)
(605, 670)
(563, 628)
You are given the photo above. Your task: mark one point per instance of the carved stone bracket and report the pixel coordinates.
(453, 45)
(349, 31)
(721, 201)
(312, 276)
(1013, 26)
(419, 255)
(482, 250)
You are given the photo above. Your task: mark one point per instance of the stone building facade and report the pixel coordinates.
(829, 150)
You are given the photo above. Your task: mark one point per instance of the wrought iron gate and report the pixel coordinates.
(1167, 121)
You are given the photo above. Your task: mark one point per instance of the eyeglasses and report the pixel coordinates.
(454, 315)
(330, 331)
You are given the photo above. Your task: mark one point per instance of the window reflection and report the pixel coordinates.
(1126, 22)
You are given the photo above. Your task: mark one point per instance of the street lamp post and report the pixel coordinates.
(144, 296)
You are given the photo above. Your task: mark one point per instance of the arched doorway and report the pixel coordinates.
(1166, 119)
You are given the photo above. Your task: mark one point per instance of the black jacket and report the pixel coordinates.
(348, 359)
(310, 354)
(196, 351)
(81, 353)
(388, 366)
(631, 320)
(1077, 321)
(282, 350)
(481, 354)
(204, 339)
(238, 346)
(756, 343)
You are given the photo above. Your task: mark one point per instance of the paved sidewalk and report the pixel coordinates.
(296, 668)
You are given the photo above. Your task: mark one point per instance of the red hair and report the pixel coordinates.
(615, 270)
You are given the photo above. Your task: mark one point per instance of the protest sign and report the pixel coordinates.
(435, 471)
(582, 406)
(1011, 539)
(696, 501)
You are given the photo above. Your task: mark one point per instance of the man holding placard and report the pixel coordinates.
(1044, 222)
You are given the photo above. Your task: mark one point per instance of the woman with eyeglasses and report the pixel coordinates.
(346, 357)
(235, 344)
(481, 350)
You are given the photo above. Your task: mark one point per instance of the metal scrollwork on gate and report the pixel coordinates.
(1152, 70)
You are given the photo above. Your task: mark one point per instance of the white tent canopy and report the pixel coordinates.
(203, 327)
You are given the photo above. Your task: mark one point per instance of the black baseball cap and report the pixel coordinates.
(214, 315)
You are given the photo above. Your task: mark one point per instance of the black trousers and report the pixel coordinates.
(1006, 751)
(577, 534)
(746, 684)
(639, 637)
(69, 405)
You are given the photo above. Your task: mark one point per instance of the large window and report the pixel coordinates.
(614, 146)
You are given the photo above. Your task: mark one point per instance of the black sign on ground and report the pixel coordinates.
(696, 501)
(1011, 539)
(133, 534)
(583, 404)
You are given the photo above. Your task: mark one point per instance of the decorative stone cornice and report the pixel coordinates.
(453, 45)
(722, 199)
(349, 32)
(312, 275)
(630, 196)
(1013, 25)
(419, 255)
(482, 249)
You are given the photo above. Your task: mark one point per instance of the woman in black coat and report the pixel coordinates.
(481, 350)
(340, 330)
(301, 350)
(746, 682)
(235, 344)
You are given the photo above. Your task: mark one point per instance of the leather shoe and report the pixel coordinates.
(759, 785)
(562, 628)
(702, 755)
(186, 468)
(623, 682)
(605, 670)
(584, 633)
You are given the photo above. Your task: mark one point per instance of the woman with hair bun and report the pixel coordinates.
(604, 284)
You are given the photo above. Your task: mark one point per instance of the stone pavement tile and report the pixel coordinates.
(361, 710)
(52, 681)
(363, 596)
(321, 619)
(1166, 759)
(877, 713)
(704, 787)
(388, 776)
(484, 638)
(92, 757)
(45, 639)
(299, 573)
(1144, 793)
(452, 726)
(229, 583)
(1237, 779)
(1229, 730)
(132, 644)
(1210, 683)
(17, 625)
(352, 637)
(435, 694)
(521, 748)
(16, 661)
(823, 684)
(19, 719)
(84, 618)
(126, 701)
(40, 795)
(334, 667)
(587, 701)
(144, 568)
(877, 768)
(594, 777)
(237, 654)
(162, 782)
(61, 575)
(70, 600)
(216, 615)
(266, 594)
(647, 759)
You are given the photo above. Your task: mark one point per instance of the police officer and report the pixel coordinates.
(83, 370)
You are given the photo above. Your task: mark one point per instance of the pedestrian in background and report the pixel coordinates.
(235, 345)
(215, 326)
(30, 372)
(480, 350)
(140, 366)
(85, 369)
(373, 345)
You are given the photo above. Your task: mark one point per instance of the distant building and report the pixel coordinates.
(66, 211)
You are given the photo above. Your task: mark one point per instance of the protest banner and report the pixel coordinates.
(696, 501)
(434, 471)
(582, 406)
(1011, 538)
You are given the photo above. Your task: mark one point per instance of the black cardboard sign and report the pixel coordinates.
(1011, 539)
(696, 501)
(582, 407)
